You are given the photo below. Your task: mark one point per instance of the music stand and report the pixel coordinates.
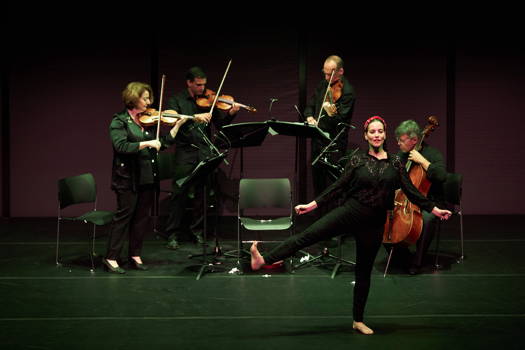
(203, 169)
(297, 129)
(242, 135)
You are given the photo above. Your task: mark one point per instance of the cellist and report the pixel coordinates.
(408, 134)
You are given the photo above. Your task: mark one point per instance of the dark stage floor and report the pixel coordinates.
(478, 304)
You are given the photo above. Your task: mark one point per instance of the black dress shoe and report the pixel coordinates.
(414, 270)
(134, 264)
(198, 234)
(108, 267)
(173, 244)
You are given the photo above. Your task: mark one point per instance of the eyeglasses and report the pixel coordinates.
(403, 140)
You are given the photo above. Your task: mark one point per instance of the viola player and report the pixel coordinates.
(328, 116)
(358, 202)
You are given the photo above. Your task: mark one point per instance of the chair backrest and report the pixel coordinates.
(166, 165)
(452, 188)
(265, 193)
(76, 189)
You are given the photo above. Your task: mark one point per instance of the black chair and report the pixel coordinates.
(76, 190)
(264, 205)
(452, 189)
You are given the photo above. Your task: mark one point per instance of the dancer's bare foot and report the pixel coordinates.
(257, 260)
(362, 328)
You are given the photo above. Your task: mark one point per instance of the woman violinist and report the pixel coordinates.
(362, 196)
(134, 175)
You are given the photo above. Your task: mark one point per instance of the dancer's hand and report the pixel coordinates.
(305, 208)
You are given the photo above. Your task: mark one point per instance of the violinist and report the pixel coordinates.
(134, 175)
(191, 147)
(358, 202)
(328, 114)
(408, 134)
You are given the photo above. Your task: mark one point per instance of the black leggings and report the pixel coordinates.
(365, 224)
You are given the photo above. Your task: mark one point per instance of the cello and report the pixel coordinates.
(405, 221)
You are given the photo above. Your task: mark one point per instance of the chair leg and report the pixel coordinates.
(462, 257)
(58, 236)
(239, 242)
(436, 262)
(92, 252)
(388, 261)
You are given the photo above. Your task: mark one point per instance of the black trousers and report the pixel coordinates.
(131, 220)
(364, 223)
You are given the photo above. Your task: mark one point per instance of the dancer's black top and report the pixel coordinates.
(372, 182)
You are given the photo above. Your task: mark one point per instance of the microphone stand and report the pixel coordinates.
(272, 100)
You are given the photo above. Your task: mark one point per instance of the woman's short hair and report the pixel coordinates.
(133, 92)
(409, 128)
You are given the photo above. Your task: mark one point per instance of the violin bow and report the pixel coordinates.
(220, 87)
(160, 104)
(325, 94)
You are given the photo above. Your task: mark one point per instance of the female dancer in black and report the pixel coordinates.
(363, 193)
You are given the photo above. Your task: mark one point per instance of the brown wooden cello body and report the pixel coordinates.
(405, 222)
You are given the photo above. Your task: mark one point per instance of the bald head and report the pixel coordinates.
(335, 59)
(333, 64)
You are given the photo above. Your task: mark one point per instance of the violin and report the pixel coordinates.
(224, 102)
(332, 94)
(335, 92)
(150, 117)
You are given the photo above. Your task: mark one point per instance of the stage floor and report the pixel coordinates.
(476, 304)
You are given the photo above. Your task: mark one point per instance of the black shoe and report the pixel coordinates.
(108, 267)
(173, 244)
(134, 264)
(198, 236)
(414, 270)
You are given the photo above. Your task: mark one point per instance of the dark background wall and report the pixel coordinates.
(62, 85)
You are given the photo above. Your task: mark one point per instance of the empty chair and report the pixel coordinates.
(76, 190)
(264, 204)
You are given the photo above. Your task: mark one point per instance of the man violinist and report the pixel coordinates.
(408, 134)
(328, 115)
(192, 146)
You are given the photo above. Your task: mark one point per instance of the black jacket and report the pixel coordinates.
(345, 108)
(133, 167)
